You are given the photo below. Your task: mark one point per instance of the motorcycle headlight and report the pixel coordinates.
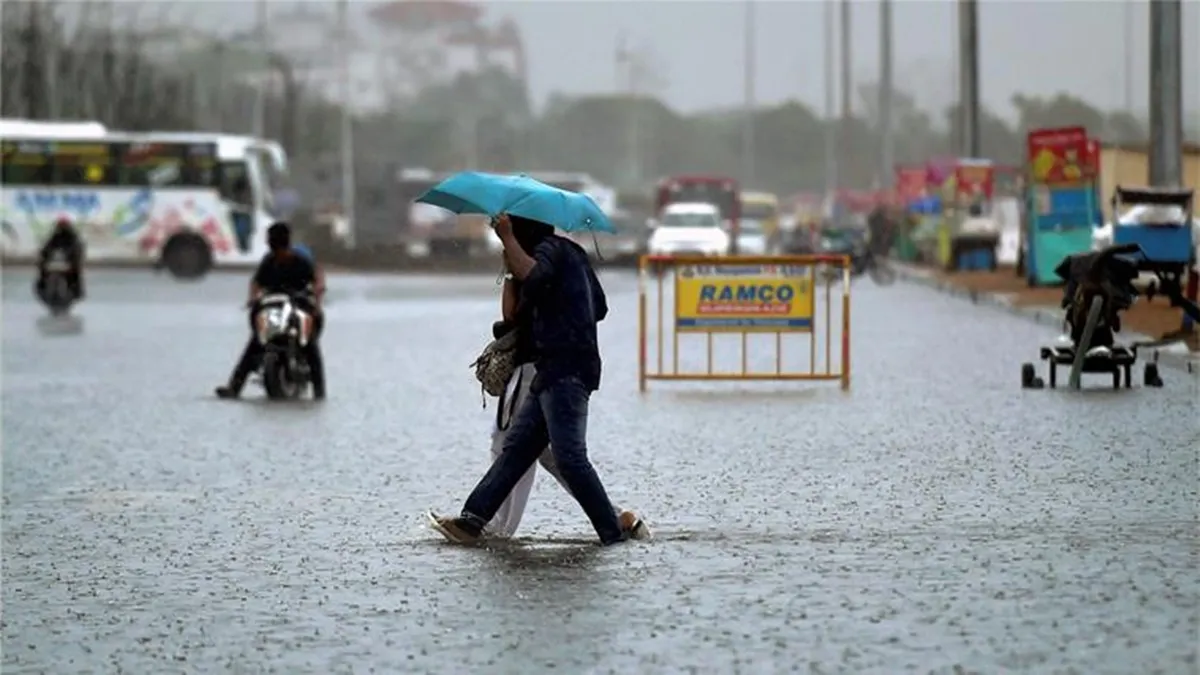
(274, 321)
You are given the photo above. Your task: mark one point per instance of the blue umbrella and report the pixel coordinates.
(492, 194)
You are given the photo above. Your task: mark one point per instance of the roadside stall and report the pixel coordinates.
(939, 181)
(910, 192)
(1062, 200)
(975, 235)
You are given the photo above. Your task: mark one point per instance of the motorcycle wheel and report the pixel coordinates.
(58, 295)
(276, 379)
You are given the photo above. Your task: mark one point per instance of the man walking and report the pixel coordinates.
(563, 295)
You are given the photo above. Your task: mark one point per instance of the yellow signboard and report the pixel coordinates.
(744, 298)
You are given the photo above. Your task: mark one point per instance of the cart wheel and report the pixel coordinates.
(1150, 376)
(1029, 378)
(1053, 375)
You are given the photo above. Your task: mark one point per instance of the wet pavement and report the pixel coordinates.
(936, 518)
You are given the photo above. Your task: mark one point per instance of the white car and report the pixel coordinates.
(751, 238)
(688, 228)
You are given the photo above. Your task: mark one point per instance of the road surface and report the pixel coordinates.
(935, 518)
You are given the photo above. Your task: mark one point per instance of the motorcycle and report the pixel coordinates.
(283, 330)
(56, 291)
(862, 257)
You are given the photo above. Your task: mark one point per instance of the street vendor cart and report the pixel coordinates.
(1163, 229)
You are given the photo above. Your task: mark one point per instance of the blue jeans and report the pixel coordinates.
(557, 415)
(243, 227)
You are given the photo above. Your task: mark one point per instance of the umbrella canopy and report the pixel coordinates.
(492, 194)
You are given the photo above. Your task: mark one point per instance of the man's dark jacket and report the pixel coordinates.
(565, 300)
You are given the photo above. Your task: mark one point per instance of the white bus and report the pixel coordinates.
(167, 199)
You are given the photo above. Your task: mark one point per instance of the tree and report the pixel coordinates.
(997, 139)
(1062, 110)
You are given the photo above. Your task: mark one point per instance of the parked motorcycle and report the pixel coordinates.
(56, 290)
(283, 329)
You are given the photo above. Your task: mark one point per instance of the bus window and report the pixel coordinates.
(235, 182)
(25, 163)
(82, 163)
(169, 165)
(200, 165)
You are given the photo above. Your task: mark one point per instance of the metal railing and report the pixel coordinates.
(746, 296)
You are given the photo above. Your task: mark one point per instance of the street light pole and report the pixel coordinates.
(260, 90)
(968, 26)
(347, 127)
(847, 66)
(887, 148)
(629, 74)
(1166, 93)
(748, 82)
(831, 125)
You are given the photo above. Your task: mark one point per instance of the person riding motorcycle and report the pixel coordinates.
(283, 270)
(65, 239)
(880, 229)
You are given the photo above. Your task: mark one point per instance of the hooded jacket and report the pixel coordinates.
(565, 301)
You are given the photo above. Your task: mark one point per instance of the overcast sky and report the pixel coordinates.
(1038, 47)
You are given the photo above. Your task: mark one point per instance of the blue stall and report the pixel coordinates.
(1060, 223)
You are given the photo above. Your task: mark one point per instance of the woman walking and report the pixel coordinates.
(508, 518)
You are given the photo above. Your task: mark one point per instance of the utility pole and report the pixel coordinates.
(1128, 75)
(629, 68)
(887, 142)
(748, 76)
(968, 33)
(642, 75)
(847, 65)
(1166, 93)
(347, 121)
(261, 37)
(831, 125)
(51, 40)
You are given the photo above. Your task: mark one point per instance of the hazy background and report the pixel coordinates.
(625, 91)
(1038, 47)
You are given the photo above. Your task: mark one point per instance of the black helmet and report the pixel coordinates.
(279, 236)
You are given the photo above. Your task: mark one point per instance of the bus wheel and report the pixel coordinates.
(187, 256)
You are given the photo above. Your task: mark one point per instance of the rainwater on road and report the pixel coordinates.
(934, 519)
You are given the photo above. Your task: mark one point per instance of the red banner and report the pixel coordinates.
(974, 180)
(1061, 156)
(910, 183)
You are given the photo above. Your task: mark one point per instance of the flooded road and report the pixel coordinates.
(935, 518)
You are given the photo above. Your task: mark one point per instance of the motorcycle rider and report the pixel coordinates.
(283, 270)
(64, 239)
(879, 230)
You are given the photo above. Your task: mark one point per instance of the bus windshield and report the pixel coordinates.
(718, 192)
(759, 210)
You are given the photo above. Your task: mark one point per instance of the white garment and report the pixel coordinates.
(508, 518)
